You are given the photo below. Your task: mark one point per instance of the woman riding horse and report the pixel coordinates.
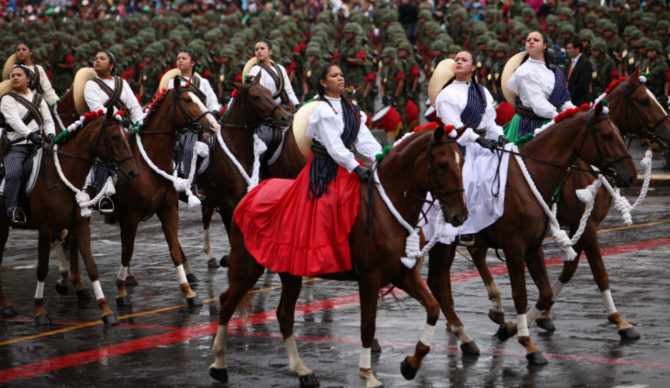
(27, 116)
(40, 81)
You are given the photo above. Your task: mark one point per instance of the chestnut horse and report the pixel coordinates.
(634, 110)
(171, 113)
(222, 182)
(53, 206)
(425, 161)
(590, 136)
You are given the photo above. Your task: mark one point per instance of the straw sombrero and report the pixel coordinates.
(251, 63)
(300, 125)
(83, 75)
(11, 61)
(170, 74)
(442, 74)
(510, 68)
(5, 87)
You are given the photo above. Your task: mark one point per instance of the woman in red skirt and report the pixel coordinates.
(302, 226)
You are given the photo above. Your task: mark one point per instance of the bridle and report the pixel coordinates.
(265, 119)
(193, 124)
(649, 131)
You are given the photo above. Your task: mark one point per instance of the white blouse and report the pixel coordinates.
(48, 92)
(206, 89)
(533, 83)
(14, 112)
(451, 102)
(96, 98)
(268, 83)
(326, 127)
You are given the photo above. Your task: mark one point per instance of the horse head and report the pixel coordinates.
(189, 111)
(264, 107)
(110, 144)
(635, 109)
(603, 146)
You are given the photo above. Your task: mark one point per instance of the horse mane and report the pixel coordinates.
(83, 121)
(153, 106)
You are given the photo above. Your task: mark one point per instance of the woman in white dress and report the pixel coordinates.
(274, 76)
(40, 82)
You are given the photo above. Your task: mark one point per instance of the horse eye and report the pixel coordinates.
(256, 98)
(608, 136)
(645, 102)
(188, 100)
(442, 166)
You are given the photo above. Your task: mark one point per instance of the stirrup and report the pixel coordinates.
(18, 217)
(467, 240)
(106, 205)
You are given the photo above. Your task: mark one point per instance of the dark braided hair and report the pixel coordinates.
(321, 90)
(545, 53)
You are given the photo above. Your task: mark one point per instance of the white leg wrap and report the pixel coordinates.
(609, 303)
(219, 347)
(532, 315)
(294, 362)
(62, 261)
(427, 335)
(494, 297)
(366, 355)
(522, 325)
(181, 275)
(461, 334)
(39, 291)
(206, 244)
(98, 290)
(123, 273)
(557, 287)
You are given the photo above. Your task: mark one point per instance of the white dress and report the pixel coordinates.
(14, 112)
(48, 92)
(96, 98)
(212, 103)
(269, 83)
(326, 127)
(533, 82)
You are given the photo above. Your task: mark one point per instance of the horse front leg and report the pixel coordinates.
(43, 250)
(291, 286)
(169, 217)
(75, 275)
(496, 312)
(414, 286)
(128, 224)
(207, 214)
(368, 289)
(190, 276)
(82, 234)
(61, 283)
(439, 281)
(6, 308)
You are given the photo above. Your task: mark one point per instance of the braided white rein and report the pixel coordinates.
(259, 148)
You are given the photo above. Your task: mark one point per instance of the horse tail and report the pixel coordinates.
(244, 307)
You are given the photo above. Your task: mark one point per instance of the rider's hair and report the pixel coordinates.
(26, 70)
(321, 90)
(474, 78)
(191, 54)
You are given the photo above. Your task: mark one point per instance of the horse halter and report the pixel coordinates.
(648, 130)
(431, 177)
(265, 119)
(193, 124)
(112, 165)
(605, 165)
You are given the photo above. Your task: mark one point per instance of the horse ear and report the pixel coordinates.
(461, 130)
(439, 132)
(599, 109)
(237, 85)
(109, 114)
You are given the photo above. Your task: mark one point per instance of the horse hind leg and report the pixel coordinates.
(61, 283)
(83, 297)
(6, 308)
(368, 289)
(43, 249)
(207, 214)
(496, 312)
(291, 286)
(414, 286)
(190, 276)
(439, 282)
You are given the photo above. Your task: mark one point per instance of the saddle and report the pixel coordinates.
(29, 173)
(274, 140)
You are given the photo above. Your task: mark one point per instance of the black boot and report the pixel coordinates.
(18, 217)
(467, 240)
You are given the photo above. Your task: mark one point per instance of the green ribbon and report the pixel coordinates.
(523, 139)
(380, 156)
(61, 136)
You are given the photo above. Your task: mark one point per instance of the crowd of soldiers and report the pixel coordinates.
(370, 45)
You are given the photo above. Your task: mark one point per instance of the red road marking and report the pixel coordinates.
(185, 334)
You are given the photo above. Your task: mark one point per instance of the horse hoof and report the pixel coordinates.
(407, 371)
(536, 358)
(9, 312)
(219, 374)
(42, 320)
(546, 324)
(131, 281)
(211, 263)
(123, 301)
(308, 381)
(502, 333)
(83, 295)
(470, 349)
(376, 348)
(497, 317)
(191, 278)
(61, 290)
(194, 302)
(110, 320)
(224, 261)
(629, 334)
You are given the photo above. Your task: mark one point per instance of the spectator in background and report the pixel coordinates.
(579, 73)
(408, 16)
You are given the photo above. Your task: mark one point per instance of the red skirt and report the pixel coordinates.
(285, 231)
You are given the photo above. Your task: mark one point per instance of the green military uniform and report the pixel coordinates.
(228, 72)
(658, 72)
(411, 69)
(605, 67)
(62, 77)
(392, 74)
(311, 76)
(354, 74)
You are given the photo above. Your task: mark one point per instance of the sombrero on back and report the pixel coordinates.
(251, 63)
(83, 75)
(170, 74)
(5, 87)
(442, 74)
(300, 125)
(510, 67)
(11, 61)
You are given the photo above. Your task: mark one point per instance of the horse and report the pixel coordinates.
(171, 113)
(590, 136)
(425, 161)
(53, 207)
(222, 181)
(634, 110)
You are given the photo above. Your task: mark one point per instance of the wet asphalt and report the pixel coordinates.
(161, 343)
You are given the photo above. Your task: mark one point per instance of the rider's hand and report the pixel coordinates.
(487, 143)
(35, 138)
(50, 138)
(502, 140)
(364, 173)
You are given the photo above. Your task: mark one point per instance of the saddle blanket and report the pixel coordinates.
(484, 181)
(36, 161)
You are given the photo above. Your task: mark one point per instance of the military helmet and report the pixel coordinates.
(389, 52)
(654, 45)
(599, 44)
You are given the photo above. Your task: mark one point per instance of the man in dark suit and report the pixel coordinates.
(579, 73)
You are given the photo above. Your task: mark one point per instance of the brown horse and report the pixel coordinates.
(519, 232)
(424, 161)
(52, 204)
(634, 110)
(173, 111)
(222, 182)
